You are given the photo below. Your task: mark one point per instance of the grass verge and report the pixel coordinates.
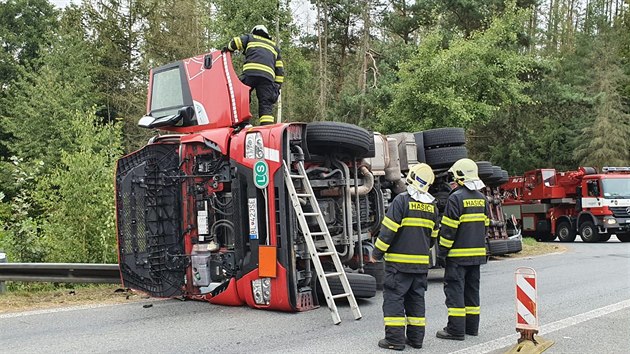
(531, 247)
(26, 297)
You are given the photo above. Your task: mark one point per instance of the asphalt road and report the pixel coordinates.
(584, 306)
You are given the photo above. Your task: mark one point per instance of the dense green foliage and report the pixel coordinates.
(535, 83)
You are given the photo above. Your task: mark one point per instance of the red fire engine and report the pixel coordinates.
(550, 204)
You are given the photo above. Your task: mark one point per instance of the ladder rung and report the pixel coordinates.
(300, 195)
(340, 296)
(312, 214)
(324, 254)
(298, 176)
(336, 274)
(318, 233)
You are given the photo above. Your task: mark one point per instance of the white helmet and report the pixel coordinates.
(464, 170)
(260, 30)
(420, 177)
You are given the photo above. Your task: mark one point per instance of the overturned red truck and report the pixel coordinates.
(203, 209)
(550, 204)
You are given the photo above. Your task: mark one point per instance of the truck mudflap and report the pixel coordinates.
(148, 221)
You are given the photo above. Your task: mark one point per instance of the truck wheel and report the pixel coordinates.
(325, 138)
(624, 237)
(604, 237)
(442, 137)
(362, 285)
(588, 232)
(565, 232)
(377, 270)
(545, 237)
(419, 136)
(485, 169)
(445, 157)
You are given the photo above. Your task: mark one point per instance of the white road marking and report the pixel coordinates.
(552, 327)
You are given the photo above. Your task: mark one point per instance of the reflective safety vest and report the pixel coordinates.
(262, 57)
(463, 227)
(408, 230)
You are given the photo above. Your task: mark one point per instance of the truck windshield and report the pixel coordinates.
(616, 188)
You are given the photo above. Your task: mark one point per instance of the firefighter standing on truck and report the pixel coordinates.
(263, 70)
(408, 230)
(462, 249)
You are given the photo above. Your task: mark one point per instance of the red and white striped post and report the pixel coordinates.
(526, 303)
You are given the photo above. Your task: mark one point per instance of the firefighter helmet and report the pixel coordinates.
(464, 170)
(261, 30)
(420, 177)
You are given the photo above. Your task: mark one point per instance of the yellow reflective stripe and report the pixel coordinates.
(279, 79)
(394, 321)
(381, 245)
(279, 64)
(416, 321)
(473, 310)
(446, 242)
(467, 252)
(230, 46)
(266, 119)
(457, 312)
(390, 224)
(472, 217)
(261, 67)
(265, 40)
(487, 221)
(450, 222)
(407, 258)
(420, 222)
(239, 44)
(262, 45)
(434, 233)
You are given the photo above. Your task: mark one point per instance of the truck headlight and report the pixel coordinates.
(610, 220)
(261, 289)
(254, 147)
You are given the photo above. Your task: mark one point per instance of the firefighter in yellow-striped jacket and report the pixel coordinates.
(408, 231)
(263, 70)
(462, 249)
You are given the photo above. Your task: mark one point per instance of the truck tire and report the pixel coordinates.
(445, 157)
(419, 136)
(443, 137)
(485, 169)
(624, 237)
(588, 232)
(326, 138)
(362, 285)
(505, 176)
(604, 237)
(565, 232)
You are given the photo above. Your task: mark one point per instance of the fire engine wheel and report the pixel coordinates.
(624, 237)
(446, 156)
(326, 138)
(588, 232)
(604, 237)
(442, 137)
(565, 232)
(362, 285)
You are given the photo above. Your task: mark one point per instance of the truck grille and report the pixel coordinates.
(148, 197)
(620, 212)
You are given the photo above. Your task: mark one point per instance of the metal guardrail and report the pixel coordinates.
(60, 272)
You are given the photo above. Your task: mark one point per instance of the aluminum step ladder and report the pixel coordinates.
(310, 242)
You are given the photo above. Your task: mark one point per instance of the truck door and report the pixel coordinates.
(148, 216)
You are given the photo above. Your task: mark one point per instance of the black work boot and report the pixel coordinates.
(472, 333)
(444, 334)
(383, 343)
(414, 344)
